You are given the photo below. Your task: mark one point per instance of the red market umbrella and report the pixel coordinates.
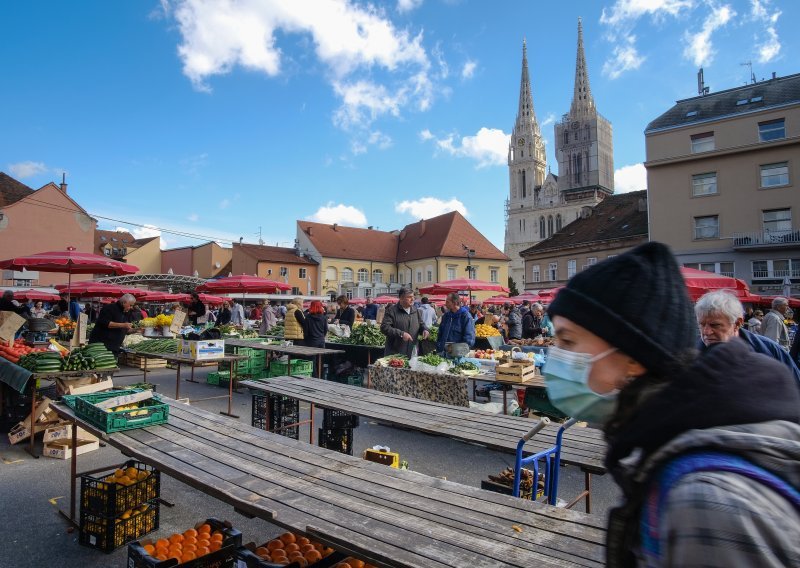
(205, 298)
(90, 289)
(152, 296)
(36, 296)
(385, 299)
(767, 301)
(243, 284)
(699, 282)
(463, 285)
(69, 261)
(500, 300)
(357, 301)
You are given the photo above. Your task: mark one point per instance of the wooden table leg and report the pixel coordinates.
(311, 425)
(73, 475)
(587, 484)
(145, 369)
(33, 418)
(232, 372)
(178, 381)
(319, 366)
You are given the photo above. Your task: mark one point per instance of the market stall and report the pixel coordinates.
(436, 387)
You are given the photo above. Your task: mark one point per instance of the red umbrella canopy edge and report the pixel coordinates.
(242, 284)
(69, 261)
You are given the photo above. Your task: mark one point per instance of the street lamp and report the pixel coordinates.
(470, 253)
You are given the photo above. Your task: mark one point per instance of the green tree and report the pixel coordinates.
(512, 287)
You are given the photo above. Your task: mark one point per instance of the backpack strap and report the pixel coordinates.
(694, 462)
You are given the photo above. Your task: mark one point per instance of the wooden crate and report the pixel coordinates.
(44, 417)
(62, 449)
(516, 371)
(135, 360)
(63, 431)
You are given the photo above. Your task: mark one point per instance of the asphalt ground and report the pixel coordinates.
(35, 535)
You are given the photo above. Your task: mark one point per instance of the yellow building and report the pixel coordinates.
(277, 263)
(123, 246)
(367, 262)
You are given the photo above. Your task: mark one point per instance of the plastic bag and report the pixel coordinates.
(339, 330)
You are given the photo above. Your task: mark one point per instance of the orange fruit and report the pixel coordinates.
(326, 551)
(161, 557)
(201, 551)
(203, 542)
(204, 528)
(291, 547)
(356, 563)
(313, 556)
(176, 538)
(299, 560)
(162, 543)
(190, 533)
(287, 538)
(274, 544)
(306, 548)
(217, 536)
(188, 556)
(175, 549)
(176, 556)
(279, 553)
(301, 540)
(149, 549)
(189, 540)
(215, 545)
(189, 547)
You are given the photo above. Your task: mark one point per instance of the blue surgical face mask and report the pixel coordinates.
(567, 381)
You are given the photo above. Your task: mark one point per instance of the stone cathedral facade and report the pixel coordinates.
(540, 203)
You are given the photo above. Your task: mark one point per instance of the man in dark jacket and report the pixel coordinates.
(402, 324)
(532, 322)
(457, 324)
(113, 324)
(513, 321)
(720, 318)
(370, 310)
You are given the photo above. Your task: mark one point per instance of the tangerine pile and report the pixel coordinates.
(126, 477)
(185, 547)
(289, 548)
(351, 562)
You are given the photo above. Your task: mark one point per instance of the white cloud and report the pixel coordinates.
(225, 203)
(22, 170)
(624, 11)
(193, 164)
(630, 178)
(700, 48)
(351, 40)
(469, 69)
(341, 214)
(770, 47)
(408, 5)
(625, 57)
(144, 232)
(489, 147)
(427, 207)
(193, 217)
(549, 119)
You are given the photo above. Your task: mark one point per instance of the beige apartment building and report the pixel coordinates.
(722, 177)
(614, 226)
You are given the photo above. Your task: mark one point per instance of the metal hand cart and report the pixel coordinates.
(551, 458)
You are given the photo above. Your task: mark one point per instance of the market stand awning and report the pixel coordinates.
(205, 298)
(69, 261)
(36, 296)
(243, 284)
(463, 284)
(90, 289)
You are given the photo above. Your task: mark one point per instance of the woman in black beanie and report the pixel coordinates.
(705, 448)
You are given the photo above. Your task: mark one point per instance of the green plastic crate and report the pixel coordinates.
(299, 367)
(217, 377)
(84, 406)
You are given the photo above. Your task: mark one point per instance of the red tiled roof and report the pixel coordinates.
(335, 241)
(438, 236)
(12, 190)
(122, 238)
(445, 235)
(273, 254)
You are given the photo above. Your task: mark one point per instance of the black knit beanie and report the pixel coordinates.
(637, 302)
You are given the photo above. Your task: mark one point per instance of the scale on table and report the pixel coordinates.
(38, 330)
(456, 352)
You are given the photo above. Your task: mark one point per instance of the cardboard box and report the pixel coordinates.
(62, 449)
(87, 388)
(63, 431)
(202, 350)
(44, 417)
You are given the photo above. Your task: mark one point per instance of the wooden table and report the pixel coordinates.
(389, 517)
(180, 360)
(581, 447)
(298, 350)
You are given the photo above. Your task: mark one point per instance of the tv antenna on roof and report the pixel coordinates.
(749, 65)
(701, 84)
(260, 240)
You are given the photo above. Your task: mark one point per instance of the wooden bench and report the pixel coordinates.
(581, 447)
(390, 517)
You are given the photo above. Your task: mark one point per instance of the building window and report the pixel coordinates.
(702, 142)
(558, 222)
(451, 272)
(722, 268)
(330, 274)
(773, 175)
(591, 261)
(541, 227)
(493, 274)
(363, 275)
(706, 227)
(774, 269)
(430, 275)
(269, 271)
(377, 276)
(295, 291)
(704, 184)
(301, 272)
(535, 274)
(419, 276)
(284, 271)
(760, 269)
(524, 186)
(552, 271)
(777, 222)
(572, 267)
(725, 269)
(347, 274)
(771, 130)
(549, 225)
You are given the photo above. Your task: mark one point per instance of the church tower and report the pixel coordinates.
(526, 170)
(584, 142)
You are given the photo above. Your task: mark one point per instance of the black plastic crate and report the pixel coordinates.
(225, 557)
(335, 418)
(109, 533)
(276, 413)
(337, 439)
(110, 499)
(249, 559)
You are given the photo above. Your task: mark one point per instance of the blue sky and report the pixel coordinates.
(215, 118)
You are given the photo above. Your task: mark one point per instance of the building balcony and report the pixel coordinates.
(767, 239)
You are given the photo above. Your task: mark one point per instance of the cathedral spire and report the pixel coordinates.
(582, 100)
(526, 117)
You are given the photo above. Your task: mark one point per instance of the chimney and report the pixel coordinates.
(63, 182)
(370, 227)
(422, 227)
(310, 231)
(335, 226)
(774, 75)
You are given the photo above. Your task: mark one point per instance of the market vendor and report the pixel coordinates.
(402, 324)
(197, 309)
(345, 315)
(457, 324)
(113, 324)
(7, 304)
